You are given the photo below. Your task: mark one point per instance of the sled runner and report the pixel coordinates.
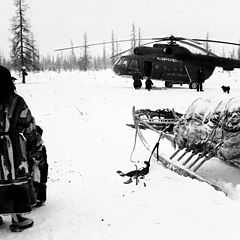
(183, 161)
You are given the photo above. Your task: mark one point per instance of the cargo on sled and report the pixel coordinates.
(209, 130)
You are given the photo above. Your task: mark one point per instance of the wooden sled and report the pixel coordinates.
(177, 162)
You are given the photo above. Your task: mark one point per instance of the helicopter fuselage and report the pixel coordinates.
(173, 64)
(169, 62)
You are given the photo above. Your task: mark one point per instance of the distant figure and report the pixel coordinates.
(24, 74)
(226, 89)
(200, 80)
(137, 77)
(148, 84)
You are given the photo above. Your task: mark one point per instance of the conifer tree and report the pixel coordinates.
(23, 53)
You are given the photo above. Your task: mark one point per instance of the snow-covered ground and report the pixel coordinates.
(84, 117)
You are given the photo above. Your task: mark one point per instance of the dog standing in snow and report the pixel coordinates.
(226, 89)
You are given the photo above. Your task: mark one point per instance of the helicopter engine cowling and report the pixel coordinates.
(146, 51)
(167, 50)
(176, 51)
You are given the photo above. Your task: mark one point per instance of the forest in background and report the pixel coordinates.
(25, 52)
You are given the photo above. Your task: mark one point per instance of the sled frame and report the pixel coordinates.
(178, 166)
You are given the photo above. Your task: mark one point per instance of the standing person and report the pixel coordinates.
(200, 80)
(24, 74)
(16, 126)
(39, 168)
(137, 77)
(148, 84)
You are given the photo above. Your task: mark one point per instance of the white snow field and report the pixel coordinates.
(84, 117)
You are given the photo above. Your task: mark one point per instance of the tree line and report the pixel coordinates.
(25, 54)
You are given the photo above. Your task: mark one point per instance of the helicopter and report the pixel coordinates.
(172, 63)
(169, 62)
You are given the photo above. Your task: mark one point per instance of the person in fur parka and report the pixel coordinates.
(16, 127)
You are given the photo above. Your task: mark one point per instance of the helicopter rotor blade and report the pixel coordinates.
(194, 40)
(118, 54)
(93, 44)
(215, 41)
(199, 48)
(153, 40)
(80, 46)
(148, 43)
(171, 38)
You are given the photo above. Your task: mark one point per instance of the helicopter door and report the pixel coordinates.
(147, 68)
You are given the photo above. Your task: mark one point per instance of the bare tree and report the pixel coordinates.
(139, 36)
(238, 51)
(86, 57)
(223, 52)
(73, 59)
(118, 48)
(23, 53)
(207, 47)
(113, 49)
(233, 54)
(133, 36)
(104, 56)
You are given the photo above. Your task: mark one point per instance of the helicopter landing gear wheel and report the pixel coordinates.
(193, 85)
(168, 84)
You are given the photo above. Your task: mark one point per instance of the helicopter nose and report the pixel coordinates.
(116, 70)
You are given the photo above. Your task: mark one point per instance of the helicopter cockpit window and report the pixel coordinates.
(122, 61)
(133, 64)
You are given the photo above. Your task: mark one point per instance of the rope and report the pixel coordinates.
(135, 143)
(134, 146)
(155, 147)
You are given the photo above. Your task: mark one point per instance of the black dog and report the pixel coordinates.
(226, 89)
(136, 173)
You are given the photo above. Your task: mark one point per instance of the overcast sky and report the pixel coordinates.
(55, 23)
